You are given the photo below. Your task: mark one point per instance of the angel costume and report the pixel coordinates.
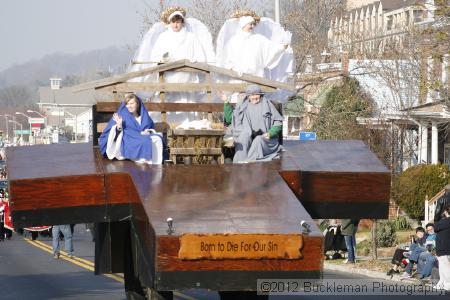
(162, 44)
(260, 52)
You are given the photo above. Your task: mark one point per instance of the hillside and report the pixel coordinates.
(73, 67)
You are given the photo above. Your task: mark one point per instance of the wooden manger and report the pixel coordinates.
(196, 146)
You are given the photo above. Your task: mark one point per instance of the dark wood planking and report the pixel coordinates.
(109, 107)
(347, 210)
(167, 259)
(339, 186)
(70, 215)
(248, 198)
(57, 160)
(67, 191)
(120, 189)
(337, 179)
(218, 199)
(330, 156)
(222, 195)
(229, 198)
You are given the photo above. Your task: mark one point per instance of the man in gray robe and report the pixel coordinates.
(255, 127)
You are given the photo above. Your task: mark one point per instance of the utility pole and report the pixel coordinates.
(74, 116)
(277, 11)
(29, 123)
(7, 128)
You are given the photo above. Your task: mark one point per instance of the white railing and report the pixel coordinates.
(430, 206)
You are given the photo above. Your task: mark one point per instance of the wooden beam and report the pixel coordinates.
(245, 77)
(182, 87)
(193, 132)
(196, 151)
(184, 64)
(111, 107)
(127, 76)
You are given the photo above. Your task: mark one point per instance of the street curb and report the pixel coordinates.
(365, 272)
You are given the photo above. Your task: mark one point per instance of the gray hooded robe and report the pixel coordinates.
(248, 118)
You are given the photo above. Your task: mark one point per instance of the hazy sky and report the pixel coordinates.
(30, 29)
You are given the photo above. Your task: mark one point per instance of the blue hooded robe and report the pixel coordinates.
(134, 145)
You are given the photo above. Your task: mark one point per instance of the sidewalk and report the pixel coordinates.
(366, 267)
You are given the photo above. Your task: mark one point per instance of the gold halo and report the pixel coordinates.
(246, 12)
(165, 14)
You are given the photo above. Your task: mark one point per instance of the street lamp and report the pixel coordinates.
(36, 112)
(42, 116)
(7, 128)
(29, 122)
(20, 124)
(6, 119)
(75, 118)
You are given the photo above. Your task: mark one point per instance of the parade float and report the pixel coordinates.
(184, 226)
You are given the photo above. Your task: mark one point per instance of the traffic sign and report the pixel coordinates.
(24, 131)
(36, 120)
(308, 136)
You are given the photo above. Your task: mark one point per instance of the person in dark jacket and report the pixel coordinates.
(348, 230)
(442, 229)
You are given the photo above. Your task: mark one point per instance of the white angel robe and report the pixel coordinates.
(172, 46)
(251, 53)
(161, 44)
(178, 45)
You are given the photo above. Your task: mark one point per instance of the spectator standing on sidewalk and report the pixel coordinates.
(348, 230)
(442, 229)
(67, 232)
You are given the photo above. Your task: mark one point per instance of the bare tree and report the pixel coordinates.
(15, 95)
(309, 21)
(215, 12)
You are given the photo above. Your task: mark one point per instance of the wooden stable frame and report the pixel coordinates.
(119, 85)
(184, 65)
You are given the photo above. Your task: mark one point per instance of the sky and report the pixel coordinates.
(31, 29)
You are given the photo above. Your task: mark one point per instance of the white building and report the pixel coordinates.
(373, 26)
(62, 108)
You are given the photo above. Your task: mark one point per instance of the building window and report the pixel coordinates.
(447, 154)
(389, 23)
(418, 16)
(407, 18)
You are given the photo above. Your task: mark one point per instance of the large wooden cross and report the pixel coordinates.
(210, 206)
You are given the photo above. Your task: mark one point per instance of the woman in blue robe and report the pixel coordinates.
(130, 134)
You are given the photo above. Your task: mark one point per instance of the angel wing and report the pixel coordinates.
(142, 57)
(273, 31)
(204, 36)
(229, 29)
(282, 68)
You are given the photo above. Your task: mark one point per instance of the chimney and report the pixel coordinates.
(55, 83)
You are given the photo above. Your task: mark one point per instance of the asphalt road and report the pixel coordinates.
(29, 271)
